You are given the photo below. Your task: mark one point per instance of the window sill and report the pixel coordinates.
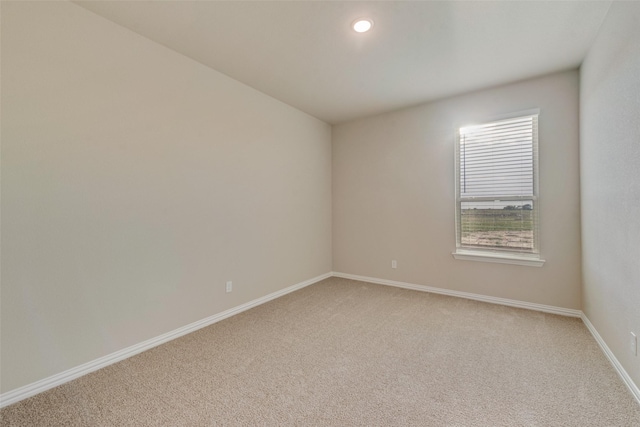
(502, 258)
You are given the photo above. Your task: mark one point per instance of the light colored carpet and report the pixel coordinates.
(347, 353)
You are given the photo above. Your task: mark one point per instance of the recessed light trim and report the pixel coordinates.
(362, 25)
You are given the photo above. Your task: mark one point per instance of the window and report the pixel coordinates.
(497, 191)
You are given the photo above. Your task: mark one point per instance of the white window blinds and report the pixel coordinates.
(496, 159)
(497, 185)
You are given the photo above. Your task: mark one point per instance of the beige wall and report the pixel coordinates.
(610, 178)
(393, 194)
(135, 182)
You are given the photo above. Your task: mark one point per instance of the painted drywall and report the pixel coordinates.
(393, 194)
(610, 182)
(135, 183)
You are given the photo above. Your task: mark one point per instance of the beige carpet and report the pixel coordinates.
(347, 353)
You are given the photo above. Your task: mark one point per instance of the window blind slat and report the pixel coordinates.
(503, 157)
(497, 136)
(512, 143)
(498, 169)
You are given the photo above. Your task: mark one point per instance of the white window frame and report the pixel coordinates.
(496, 255)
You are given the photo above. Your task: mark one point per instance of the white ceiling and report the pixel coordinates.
(304, 53)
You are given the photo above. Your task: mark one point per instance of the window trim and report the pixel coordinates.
(499, 255)
(531, 260)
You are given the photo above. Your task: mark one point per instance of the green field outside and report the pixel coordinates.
(510, 229)
(496, 219)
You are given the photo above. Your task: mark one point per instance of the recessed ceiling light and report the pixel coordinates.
(362, 25)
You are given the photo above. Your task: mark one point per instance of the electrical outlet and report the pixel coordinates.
(394, 264)
(229, 286)
(633, 344)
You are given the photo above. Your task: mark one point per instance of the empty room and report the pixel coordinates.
(320, 213)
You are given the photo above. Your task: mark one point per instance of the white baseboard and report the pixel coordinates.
(633, 388)
(478, 297)
(32, 389)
